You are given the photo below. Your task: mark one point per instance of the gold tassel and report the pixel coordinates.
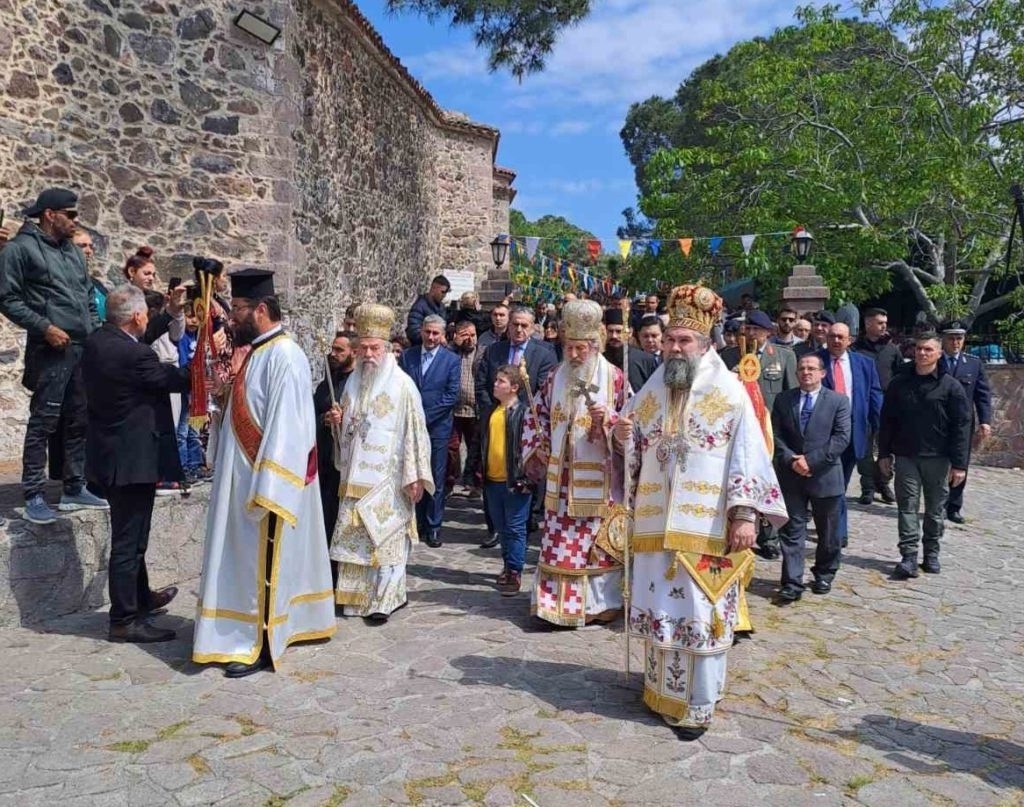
(673, 567)
(717, 625)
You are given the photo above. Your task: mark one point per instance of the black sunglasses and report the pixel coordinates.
(71, 214)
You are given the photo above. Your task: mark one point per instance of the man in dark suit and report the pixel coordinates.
(641, 364)
(537, 354)
(435, 371)
(340, 361)
(130, 444)
(812, 430)
(855, 376)
(970, 372)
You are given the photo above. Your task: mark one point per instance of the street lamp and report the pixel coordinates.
(801, 241)
(499, 250)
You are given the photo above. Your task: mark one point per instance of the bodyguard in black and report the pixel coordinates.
(812, 429)
(45, 289)
(970, 372)
(130, 445)
(926, 424)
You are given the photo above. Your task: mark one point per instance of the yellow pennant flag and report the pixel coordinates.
(685, 245)
(624, 247)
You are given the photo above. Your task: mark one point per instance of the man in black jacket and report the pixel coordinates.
(426, 304)
(130, 444)
(46, 290)
(876, 343)
(341, 361)
(641, 364)
(926, 424)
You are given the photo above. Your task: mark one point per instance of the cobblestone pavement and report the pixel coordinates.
(882, 693)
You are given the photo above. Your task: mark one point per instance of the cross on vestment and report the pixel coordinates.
(359, 424)
(581, 387)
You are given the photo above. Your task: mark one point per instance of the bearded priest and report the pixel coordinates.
(384, 462)
(567, 439)
(701, 476)
(266, 579)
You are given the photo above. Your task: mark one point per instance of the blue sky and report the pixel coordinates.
(560, 128)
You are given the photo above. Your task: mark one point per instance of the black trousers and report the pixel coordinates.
(131, 512)
(793, 537)
(956, 495)
(330, 480)
(58, 403)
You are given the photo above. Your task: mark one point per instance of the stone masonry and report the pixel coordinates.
(320, 157)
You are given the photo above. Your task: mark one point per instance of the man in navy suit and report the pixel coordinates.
(538, 355)
(812, 428)
(856, 377)
(970, 372)
(435, 372)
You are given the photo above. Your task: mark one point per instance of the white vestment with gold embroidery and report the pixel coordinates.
(384, 447)
(686, 589)
(265, 492)
(575, 577)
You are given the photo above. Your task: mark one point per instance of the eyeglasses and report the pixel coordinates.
(70, 214)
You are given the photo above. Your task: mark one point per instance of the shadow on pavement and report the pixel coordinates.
(883, 567)
(570, 687)
(998, 762)
(176, 654)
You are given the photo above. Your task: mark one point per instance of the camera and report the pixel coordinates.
(209, 266)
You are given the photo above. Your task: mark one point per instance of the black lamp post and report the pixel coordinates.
(499, 250)
(801, 241)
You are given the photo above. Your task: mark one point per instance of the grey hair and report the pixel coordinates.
(523, 311)
(124, 302)
(434, 319)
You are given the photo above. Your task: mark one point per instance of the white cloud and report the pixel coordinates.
(625, 51)
(576, 187)
(570, 127)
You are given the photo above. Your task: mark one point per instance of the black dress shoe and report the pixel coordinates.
(491, 541)
(956, 517)
(821, 587)
(160, 599)
(139, 632)
(768, 552)
(866, 498)
(789, 594)
(433, 539)
(931, 565)
(238, 670)
(688, 733)
(844, 542)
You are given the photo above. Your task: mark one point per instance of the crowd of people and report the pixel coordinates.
(667, 436)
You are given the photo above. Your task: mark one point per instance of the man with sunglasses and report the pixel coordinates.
(784, 329)
(46, 290)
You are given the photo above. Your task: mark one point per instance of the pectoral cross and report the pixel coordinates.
(672, 448)
(358, 424)
(581, 387)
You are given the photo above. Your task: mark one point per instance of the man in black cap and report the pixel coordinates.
(821, 321)
(46, 290)
(266, 571)
(641, 364)
(341, 361)
(426, 304)
(970, 372)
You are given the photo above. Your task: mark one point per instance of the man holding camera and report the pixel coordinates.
(46, 290)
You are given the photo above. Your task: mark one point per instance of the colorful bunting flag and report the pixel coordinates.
(654, 245)
(748, 242)
(624, 246)
(715, 243)
(594, 249)
(532, 242)
(686, 244)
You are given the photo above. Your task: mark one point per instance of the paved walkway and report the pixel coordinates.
(883, 693)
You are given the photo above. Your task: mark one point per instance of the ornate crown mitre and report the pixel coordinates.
(374, 321)
(582, 319)
(693, 307)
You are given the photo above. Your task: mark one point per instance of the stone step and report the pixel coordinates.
(803, 270)
(813, 281)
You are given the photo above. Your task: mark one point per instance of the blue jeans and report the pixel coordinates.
(509, 512)
(190, 450)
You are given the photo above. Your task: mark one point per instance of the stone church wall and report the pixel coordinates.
(319, 157)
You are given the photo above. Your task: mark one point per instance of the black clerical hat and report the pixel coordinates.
(613, 316)
(252, 284)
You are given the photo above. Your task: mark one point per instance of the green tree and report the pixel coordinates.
(560, 238)
(893, 139)
(518, 34)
